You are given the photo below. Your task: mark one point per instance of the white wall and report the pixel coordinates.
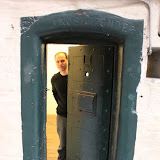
(148, 129)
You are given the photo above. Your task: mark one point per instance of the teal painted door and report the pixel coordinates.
(89, 102)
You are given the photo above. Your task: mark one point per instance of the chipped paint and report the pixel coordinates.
(28, 70)
(134, 112)
(131, 97)
(25, 26)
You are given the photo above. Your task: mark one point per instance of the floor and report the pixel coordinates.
(52, 138)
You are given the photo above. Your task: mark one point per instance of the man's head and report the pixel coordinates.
(61, 59)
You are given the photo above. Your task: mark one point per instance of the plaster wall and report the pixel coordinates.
(148, 129)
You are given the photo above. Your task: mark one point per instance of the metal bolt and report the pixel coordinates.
(107, 91)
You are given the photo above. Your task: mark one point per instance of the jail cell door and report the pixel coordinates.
(89, 102)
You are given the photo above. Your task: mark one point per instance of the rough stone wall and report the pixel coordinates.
(147, 144)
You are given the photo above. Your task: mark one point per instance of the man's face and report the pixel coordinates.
(61, 62)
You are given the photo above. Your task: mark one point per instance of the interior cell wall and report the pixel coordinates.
(148, 112)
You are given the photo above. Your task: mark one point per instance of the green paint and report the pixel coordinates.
(83, 27)
(131, 97)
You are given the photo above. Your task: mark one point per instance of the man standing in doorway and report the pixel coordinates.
(59, 89)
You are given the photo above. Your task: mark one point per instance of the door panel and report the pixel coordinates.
(89, 102)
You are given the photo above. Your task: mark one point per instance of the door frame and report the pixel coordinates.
(71, 27)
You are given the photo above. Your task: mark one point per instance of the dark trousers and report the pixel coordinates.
(62, 131)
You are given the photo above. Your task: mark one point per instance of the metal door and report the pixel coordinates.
(89, 102)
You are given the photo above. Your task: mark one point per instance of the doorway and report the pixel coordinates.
(79, 27)
(90, 84)
(110, 54)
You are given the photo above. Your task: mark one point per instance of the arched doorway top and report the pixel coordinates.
(84, 21)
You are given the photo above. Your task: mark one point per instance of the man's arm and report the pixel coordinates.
(54, 91)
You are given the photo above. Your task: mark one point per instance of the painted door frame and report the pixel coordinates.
(37, 31)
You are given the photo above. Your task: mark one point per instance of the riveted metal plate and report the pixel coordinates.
(87, 102)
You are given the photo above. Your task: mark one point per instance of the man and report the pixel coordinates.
(59, 89)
